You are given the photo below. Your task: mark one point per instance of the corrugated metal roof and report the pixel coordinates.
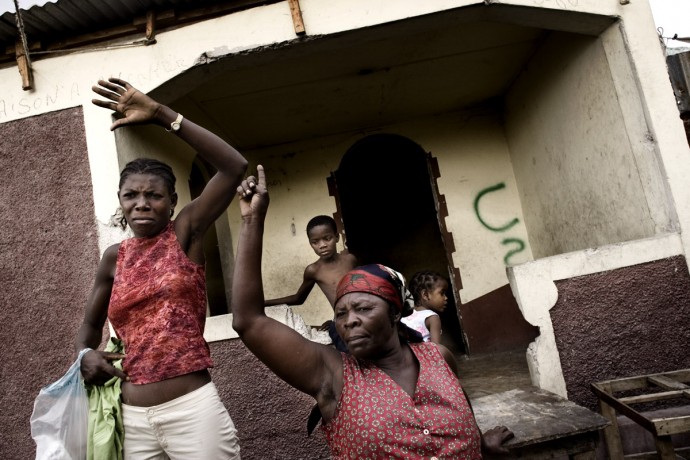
(56, 22)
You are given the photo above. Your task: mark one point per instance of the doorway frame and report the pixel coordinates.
(441, 210)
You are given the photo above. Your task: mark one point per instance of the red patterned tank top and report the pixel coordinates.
(158, 309)
(376, 419)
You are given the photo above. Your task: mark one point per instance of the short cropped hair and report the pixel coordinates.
(322, 220)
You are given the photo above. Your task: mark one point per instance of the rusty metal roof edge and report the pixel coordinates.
(76, 17)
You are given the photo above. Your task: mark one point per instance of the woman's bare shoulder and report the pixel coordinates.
(110, 254)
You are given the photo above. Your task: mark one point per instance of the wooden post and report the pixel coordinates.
(664, 447)
(24, 66)
(150, 25)
(297, 17)
(21, 51)
(611, 433)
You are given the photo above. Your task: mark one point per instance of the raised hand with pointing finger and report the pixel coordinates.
(253, 195)
(383, 370)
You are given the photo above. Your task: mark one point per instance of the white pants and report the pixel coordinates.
(193, 426)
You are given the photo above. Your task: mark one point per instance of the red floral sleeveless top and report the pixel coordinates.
(376, 419)
(158, 309)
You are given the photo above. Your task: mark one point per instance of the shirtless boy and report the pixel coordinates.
(326, 271)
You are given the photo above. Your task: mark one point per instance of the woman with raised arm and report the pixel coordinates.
(389, 398)
(152, 288)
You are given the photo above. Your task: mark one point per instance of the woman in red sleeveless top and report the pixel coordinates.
(389, 398)
(152, 289)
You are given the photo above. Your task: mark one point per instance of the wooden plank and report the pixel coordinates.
(661, 428)
(535, 416)
(622, 408)
(296, 13)
(648, 456)
(640, 381)
(671, 425)
(653, 397)
(682, 453)
(666, 383)
(632, 383)
(643, 456)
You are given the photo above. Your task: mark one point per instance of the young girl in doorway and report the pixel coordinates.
(428, 289)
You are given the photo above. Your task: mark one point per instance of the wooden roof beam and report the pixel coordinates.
(296, 13)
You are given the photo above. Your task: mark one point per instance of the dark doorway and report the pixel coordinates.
(388, 208)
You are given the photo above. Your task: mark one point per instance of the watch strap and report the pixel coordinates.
(175, 125)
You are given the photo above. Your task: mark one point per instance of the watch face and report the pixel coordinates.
(175, 125)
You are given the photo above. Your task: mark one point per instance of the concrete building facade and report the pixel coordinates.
(530, 150)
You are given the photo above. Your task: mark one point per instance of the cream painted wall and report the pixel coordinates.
(65, 81)
(297, 184)
(476, 168)
(579, 181)
(472, 155)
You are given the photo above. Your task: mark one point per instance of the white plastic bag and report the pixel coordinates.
(59, 422)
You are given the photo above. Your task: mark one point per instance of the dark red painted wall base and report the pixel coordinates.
(622, 323)
(48, 257)
(270, 415)
(494, 323)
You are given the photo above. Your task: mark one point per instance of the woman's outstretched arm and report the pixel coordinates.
(136, 108)
(307, 366)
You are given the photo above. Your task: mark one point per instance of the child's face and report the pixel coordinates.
(323, 241)
(435, 299)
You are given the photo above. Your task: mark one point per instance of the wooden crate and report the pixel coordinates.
(654, 387)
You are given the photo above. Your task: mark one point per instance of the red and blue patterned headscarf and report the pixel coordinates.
(380, 281)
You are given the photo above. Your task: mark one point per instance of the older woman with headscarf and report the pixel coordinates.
(389, 398)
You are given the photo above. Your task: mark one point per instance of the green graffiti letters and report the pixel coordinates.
(507, 241)
(481, 194)
(512, 252)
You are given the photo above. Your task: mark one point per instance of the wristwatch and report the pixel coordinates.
(175, 125)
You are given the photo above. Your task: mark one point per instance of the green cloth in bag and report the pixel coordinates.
(106, 430)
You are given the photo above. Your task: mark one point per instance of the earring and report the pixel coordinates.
(172, 211)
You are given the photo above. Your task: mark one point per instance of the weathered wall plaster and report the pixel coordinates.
(49, 255)
(64, 83)
(533, 284)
